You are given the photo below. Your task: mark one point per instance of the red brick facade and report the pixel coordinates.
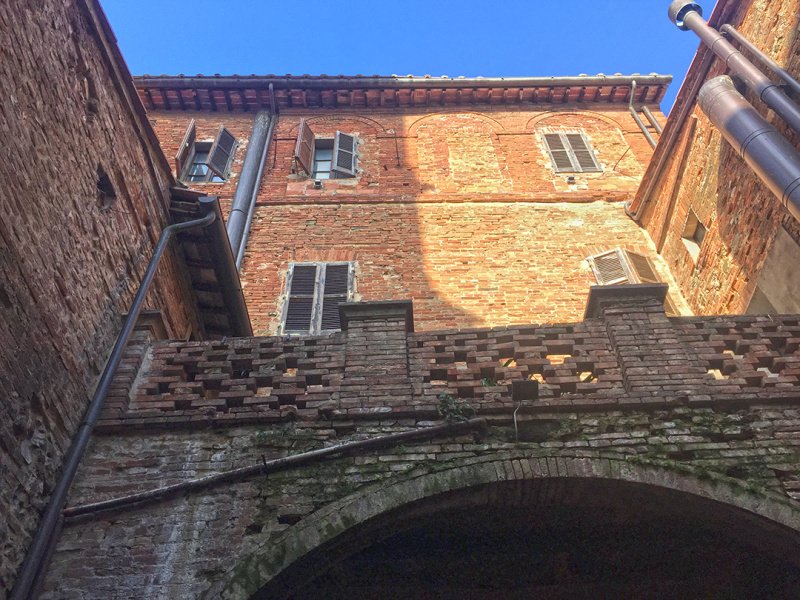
(704, 174)
(459, 209)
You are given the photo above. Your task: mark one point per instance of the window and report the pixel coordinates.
(314, 293)
(570, 152)
(619, 266)
(694, 232)
(321, 158)
(202, 162)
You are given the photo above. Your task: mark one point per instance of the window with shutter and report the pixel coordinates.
(219, 157)
(315, 291)
(570, 152)
(186, 148)
(304, 148)
(203, 162)
(619, 266)
(344, 154)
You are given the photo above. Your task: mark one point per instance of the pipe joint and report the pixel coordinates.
(678, 11)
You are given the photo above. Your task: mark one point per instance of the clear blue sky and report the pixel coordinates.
(436, 37)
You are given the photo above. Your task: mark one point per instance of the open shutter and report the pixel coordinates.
(220, 154)
(300, 302)
(344, 154)
(642, 268)
(185, 149)
(610, 267)
(559, 153)
(336, 289)
(304, 148)
(582, 152)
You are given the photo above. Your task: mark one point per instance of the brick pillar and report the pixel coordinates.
(376, 374)
(653, 360)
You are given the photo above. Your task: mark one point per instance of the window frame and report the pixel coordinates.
(570, 152)
(306, 147)
(189, 149)
(316, 318)
(693, 234)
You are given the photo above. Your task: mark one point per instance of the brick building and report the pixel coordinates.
(398, 417)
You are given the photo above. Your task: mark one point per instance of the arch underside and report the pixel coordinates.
(539, 537)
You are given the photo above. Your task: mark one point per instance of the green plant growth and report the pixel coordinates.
(453, 409)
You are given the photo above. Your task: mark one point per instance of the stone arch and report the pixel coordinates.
(496, 125)
(766, 510)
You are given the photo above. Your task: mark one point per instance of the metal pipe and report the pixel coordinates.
(652, 118)
(731, 31)
(638, 119)
(34, 562)
(344, 83)
(249, 179)
(769, 154)
(271, 466)
(689, 15)
(254, 198)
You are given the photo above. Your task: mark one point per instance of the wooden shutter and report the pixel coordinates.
(300, 301)
(582, 152)
(185, 150)
(344, 154)
(336, 289)
(558, 153)
(220, 154)
(642, 268)
(610, 268)
(304, 148)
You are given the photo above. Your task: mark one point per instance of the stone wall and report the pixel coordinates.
(71, 255)
(459, 210)
(706, 406)
(706, 175)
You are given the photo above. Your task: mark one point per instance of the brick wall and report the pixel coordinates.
(460, 210)
(69, 263)
(704, 399)
(705, 174)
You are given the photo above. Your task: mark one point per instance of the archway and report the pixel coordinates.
(536, 527)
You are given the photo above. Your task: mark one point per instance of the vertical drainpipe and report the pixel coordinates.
(638, 119)
(244, 200)
(252, 207)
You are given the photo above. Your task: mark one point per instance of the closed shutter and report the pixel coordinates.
(610, 268)
(336, 288)
(300, 308)
(220, 154)
(185, 150)
(344, 154)
(304, 148)
(582, 152)
(559, 153)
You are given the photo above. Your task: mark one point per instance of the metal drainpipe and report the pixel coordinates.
(769, 154)
(652, 118)
(689, 15)
(765, 60)
(249, 179)
(638, 119)
(254, 197)
(35, 560)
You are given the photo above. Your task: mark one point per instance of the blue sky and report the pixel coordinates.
(436, 37)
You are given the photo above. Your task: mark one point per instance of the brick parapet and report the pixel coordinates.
(632, 356)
